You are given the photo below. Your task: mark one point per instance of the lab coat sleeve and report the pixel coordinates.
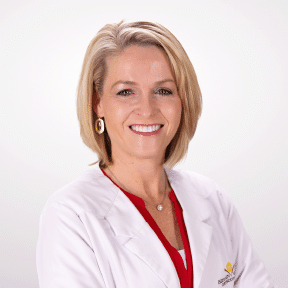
(249, 268)
(64, 255)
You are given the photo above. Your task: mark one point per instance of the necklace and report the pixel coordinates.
(158, 207)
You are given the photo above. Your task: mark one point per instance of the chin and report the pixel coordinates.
(149, 155)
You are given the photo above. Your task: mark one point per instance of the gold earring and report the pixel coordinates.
(99, 126)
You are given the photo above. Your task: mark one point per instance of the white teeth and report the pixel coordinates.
(144, 129)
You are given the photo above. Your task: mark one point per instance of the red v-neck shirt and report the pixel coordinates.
(185, 276)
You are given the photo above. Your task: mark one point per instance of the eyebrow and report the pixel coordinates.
(135, 84)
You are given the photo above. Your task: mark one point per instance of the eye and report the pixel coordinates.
(125, 92)
(164, 92)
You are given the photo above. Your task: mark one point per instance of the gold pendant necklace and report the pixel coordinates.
(159, 207)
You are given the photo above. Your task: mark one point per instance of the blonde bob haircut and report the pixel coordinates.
(112, 39)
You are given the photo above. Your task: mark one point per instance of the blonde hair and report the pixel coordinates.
(113, 39)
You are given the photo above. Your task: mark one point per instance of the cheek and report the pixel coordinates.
(115, 113)
(174, 112)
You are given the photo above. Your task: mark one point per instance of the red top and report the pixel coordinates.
(185, 276)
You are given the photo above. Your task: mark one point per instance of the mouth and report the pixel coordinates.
(146, 128)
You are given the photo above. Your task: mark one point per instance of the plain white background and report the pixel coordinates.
(239, 51)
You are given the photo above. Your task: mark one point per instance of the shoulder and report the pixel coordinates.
(200, 188)
(199, 184)
(90, 192)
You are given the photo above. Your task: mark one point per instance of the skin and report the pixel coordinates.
(138, 160)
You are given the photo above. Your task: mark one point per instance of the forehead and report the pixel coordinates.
(142, 63)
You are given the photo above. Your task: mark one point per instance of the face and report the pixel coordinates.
(140, 103)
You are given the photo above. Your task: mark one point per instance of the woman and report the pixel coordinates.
(134, 222)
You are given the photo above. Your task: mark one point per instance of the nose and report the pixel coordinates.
(147, 105)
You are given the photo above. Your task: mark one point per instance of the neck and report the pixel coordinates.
(145, 179)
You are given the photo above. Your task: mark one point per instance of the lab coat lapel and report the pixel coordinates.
(199, 234)
(140, 239)
(195, 212)
(146, 245)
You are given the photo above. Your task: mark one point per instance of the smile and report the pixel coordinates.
(140, 128)
(146, 130)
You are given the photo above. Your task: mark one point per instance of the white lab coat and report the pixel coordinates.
(91, 235)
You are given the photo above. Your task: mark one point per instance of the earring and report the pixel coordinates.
(99, 126)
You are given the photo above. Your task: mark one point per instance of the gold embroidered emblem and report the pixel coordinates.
(230, 269)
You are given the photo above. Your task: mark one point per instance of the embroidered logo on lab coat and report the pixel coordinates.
(230, 276)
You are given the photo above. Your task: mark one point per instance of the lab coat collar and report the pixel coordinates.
(140, 238)
(192, 198)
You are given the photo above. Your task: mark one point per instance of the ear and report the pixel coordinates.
(98, 107)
